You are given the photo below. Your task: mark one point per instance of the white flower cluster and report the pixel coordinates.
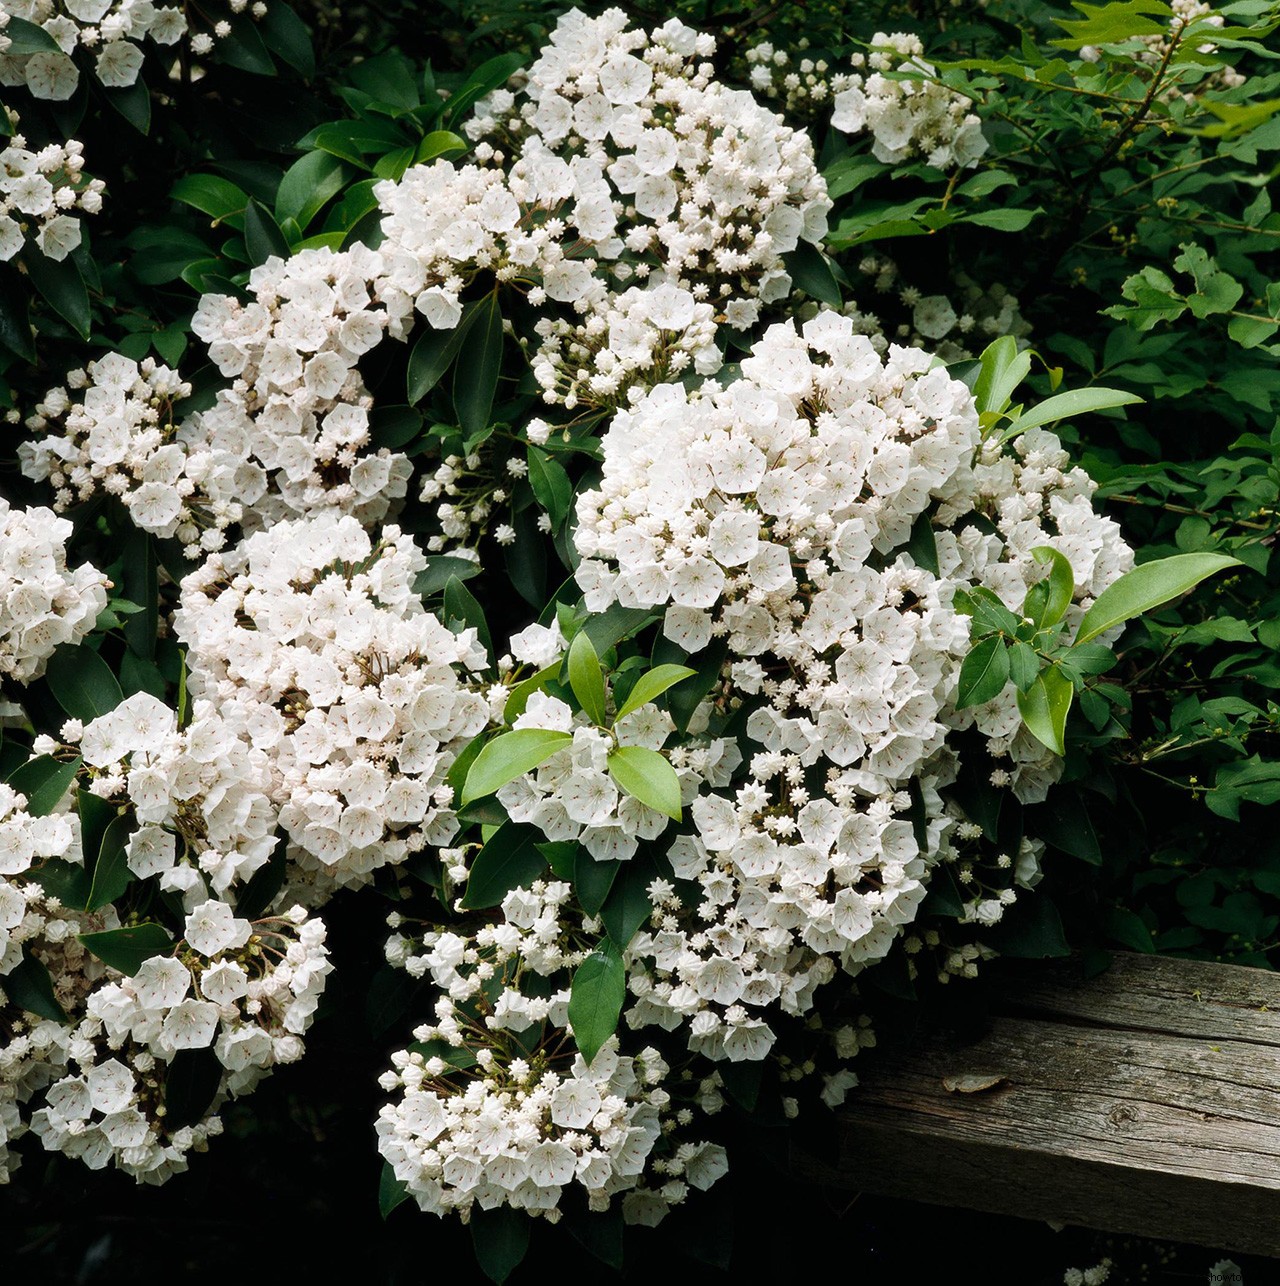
(245, 990)
(291, 434)
(571, 795)
(42, 602)
(805, 88)
(118, 437)
(909, 114)
(197, 793)
(517, 1131)
(110, 32)
(644, 337)
(39, 193)
(625, 160)
(310, 641)
(768, 514)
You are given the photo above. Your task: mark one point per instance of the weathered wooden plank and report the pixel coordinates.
(1146, 1100)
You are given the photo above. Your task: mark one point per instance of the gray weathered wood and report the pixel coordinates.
(1145, 1100)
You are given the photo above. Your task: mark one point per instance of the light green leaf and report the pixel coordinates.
(1061, 586)
(1001, 368)
(510, 756)
(1148, 587)
(596, 996)
(523, 690)
(1044, 707)
(650, 686)
(648, 776)
(586, 678)
(1080, 401)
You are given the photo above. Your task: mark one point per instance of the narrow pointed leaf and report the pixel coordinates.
(1147, 587)
(586, 678)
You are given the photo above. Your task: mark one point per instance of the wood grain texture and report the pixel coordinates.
(1145, 1100)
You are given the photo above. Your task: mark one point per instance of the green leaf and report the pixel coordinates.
(651, 685)
(628, 905)
(394, 427)
(596, 996)
(1109, 24)
(391, 1191)
(262, 235)
(989, 614)
(287, 36)
(29, 986)
(593, 880)
(1013, 219)
(440, 570)
(244, 47)
(27, 38)
(129, 949)
(510, 756)
(586, 678)
(432, 355)
(475, 375)
(460, 604)
(62, 287)
(983, 673)
(1044, 707)
(111, 874)
(82, 682)
(438, 143)
(1080, 401)
(1064, 821)
(1001, 368)
(44, 780)
(501, 1239)
(811, 272)
(648, 776)
(523, 690)
(510, 860)
(133, 102)
(486, 78)
(387, 78)
(15, 324)
(1147, 587)
(551, 485)
(922, 544)
(1061, 583)
(1024, 665)
(307, 185)
(217, 197)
